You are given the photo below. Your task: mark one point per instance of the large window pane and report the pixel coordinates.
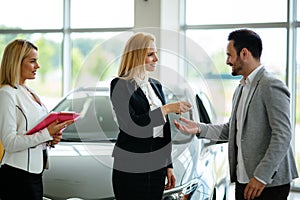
(31, 14)
(49, 77)
(297, 127)
(298, 10)
(48, 82)
(219, 90)
(95, 56)
(102, 13)
(235, 11)
(214, 43)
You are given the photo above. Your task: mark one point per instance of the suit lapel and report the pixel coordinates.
(140, 92)
(157, 92)
(253, 88)
(236, 99)
(232, 143)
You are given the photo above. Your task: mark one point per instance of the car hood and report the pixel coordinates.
(84, 170)
(84, 166)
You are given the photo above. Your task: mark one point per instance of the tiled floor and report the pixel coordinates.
(293, 195)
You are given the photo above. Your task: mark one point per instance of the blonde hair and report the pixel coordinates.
(13, 55)
(134, 55)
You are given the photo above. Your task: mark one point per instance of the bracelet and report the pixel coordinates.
(50, 145)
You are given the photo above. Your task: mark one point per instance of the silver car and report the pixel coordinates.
(81, 164)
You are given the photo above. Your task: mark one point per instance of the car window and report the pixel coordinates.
(203, 115)
(208, 107)
(96, 122)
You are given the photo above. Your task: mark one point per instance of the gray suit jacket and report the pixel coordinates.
(266, 134)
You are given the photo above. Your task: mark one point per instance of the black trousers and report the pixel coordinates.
(280, 192)
(19, 184)
(139, 186)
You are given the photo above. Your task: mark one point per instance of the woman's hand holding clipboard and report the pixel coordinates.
(55, 122)
(63, 118)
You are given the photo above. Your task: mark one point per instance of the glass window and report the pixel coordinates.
(97, 119)
(206, 52)
(217, 75)
(297, 126)
(298, 10)
(31, 14)
(48, 82)
(214, 43)
(95, 56)
(234, 11)
(102, 14)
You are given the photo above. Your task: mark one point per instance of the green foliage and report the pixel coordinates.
(212, 66)
(47, 57)
(77, 57)
(219, 60)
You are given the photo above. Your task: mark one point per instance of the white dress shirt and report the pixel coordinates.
(154, 102)
(241, 171)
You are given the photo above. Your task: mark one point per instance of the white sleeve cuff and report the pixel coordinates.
(260, 180)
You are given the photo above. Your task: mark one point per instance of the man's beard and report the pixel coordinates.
(235, 73)
(239, 64)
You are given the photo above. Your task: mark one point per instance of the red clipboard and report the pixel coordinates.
(53, 116)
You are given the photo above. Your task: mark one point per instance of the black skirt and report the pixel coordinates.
(19, 184)
(139, 186)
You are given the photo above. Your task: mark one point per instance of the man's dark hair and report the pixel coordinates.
(248, 39)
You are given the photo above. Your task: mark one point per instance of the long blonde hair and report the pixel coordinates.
(134, 55)
(13, 55)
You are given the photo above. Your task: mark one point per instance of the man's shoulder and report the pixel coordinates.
(269, 78)
(271, 85)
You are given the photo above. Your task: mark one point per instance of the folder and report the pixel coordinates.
(53, 116)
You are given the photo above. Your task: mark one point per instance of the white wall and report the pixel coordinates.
(161, 17)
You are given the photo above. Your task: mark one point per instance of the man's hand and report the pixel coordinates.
(253, 189)
(189, 127)
(171, 179)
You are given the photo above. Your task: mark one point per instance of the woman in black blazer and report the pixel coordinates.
(142, 154)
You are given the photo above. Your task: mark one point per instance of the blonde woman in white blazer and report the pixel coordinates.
(25, 155)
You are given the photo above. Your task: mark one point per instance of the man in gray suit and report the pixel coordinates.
(259, 131)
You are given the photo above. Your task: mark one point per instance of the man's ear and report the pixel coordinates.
(244, 53)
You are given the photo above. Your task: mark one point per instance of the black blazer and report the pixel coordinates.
(136, 122)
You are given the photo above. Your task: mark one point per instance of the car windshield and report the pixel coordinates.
(97, 121)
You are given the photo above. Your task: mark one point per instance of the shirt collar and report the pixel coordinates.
(250, 77)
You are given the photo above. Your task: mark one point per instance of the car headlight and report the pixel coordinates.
(183, 192)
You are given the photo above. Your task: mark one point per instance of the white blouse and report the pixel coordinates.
(154, 102)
